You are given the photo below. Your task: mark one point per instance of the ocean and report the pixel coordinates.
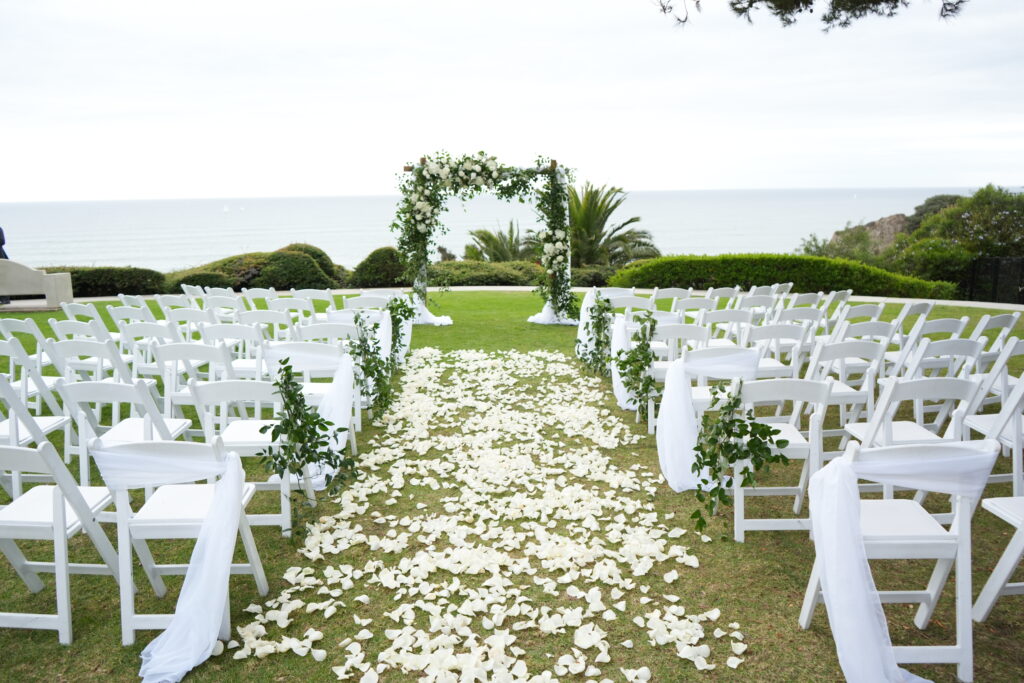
(173, 234)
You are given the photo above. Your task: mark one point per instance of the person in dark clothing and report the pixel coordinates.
(3, 254)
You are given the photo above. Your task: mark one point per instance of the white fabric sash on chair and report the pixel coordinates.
(620, 342)
(371, 316)
(189, 638)
(677, 426)
(855, 614)
(335, 406)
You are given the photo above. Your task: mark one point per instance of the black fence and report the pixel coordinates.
(999, 279)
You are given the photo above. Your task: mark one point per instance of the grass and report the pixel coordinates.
(758, 584)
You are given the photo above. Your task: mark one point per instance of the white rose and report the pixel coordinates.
(560, 258)
(559, 234)
(559, 246)
(549, 248)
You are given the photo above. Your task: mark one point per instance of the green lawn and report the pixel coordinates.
(758, 584)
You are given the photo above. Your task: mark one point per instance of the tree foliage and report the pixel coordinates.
(597, 242)
(498, 246)
(838, 13)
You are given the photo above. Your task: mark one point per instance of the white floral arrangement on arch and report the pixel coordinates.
(428, 185)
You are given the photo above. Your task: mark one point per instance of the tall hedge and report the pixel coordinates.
(318, 255)
(112, 280)
(297, 266)
(807, 273)
(382, 268)
(485, 273)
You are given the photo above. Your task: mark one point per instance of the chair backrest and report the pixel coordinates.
(168, 301)
(761, 290)
(732, 323)
(83, 401)
(914, 312)
(189, 359)
(273, 325)
(10, 327)
(43, 459)
(803, 314)
(830, 356)
(228, 333)
(804, 299)
(223, 402)
(18, 415)
(138, 340)
(949, 356)
(1000, 324)
(954, 327)
(88, 359)
(25, 373)
(220, 291)
(313, 295)
(701, 304)
(679, 336)
(630, 301)
(611, 292)
(799, 392)
(225, 307)
(945, 390)
(79, 329)
(133, 300)
(251, 294)
(329, 333)
(782, 288)
(672, 293)
(366, 301)
(749, 301)
(862, 312)
(129, 314)
(305, 357)
(301, 310)
(187, 320)
(996, 378)
(874, 330)
(195, 294)
(723, 293)
(78, 311)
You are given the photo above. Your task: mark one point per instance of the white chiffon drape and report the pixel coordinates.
(620, 342)
(677, 425)
(584, 338)
(854, 609)
(190, 637)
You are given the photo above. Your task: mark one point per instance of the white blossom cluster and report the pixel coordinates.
(515, 524)
(555, 252)
(479, 169)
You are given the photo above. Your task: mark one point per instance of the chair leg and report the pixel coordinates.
(804, 478)
(252, 554)
(62, 578)
(739, 513)
(964, 625)
(14, 555)
(935, 585)
(286, 505)
(811, 596)
(127, 588)
(1001, 575)
(149, 567)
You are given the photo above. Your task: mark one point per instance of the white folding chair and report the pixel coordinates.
(899, 528)
(167, 302)
(245, 342)
(225, 308)
(122, 315)
(57, 514)
(34, 388)
(186, 361)
(310, 361)
(1000, 582)
(314, 296)
(220, 291)
(612, 292)
(993, 330)
(83, 402)
(302, 311)
(19, 427)
(728, 327)
(366, 301)
(188, 320)
(804, 299)
(139, 339)
(234, 411)
(776, 342)
(28, 334)
(195, 294)
(91, 360)
(693, 308)
(853, 390)
(803, 444)
(671, 293)
(327, 333)
(172, 511)
(1006, 427)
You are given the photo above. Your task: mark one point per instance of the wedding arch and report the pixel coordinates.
(428, 185)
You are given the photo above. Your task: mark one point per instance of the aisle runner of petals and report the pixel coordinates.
(536, 526)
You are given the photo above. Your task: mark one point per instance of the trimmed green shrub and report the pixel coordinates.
(591, 276)
(485, 273)
(200, 278)
(318, 255)
(382, 268)
(932, 258)
(807, 273)
(287, 269)
(112, 280)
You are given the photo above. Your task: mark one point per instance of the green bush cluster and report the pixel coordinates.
(199, 278)
(591, 276)
(485, 273)
(807, 273)
(382, 268)
(112, 280)
(297, 265)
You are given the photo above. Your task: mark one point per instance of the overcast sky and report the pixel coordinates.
(132, 100)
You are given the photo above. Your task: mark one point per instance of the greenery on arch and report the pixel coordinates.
(428, 185)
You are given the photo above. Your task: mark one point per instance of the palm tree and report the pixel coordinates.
(495, 245)
(594, 242)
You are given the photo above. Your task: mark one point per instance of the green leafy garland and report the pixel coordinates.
(427, 186)
(635, 364)
(401, 311)
(374, 371)
(304, 437)
(598, 330)
(729, 435)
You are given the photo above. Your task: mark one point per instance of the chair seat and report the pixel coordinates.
(246, 367)
(903, 432)
(134, 429)
(245, 434)
(46, 423)
(895, 518)
(721, 342)
(773, 367)
(31, 389)
(1010, 510)
(844, 393)
(180, 504)
(984, 424)
(34, 509)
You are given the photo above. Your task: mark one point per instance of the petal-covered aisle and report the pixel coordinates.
(496, 534)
